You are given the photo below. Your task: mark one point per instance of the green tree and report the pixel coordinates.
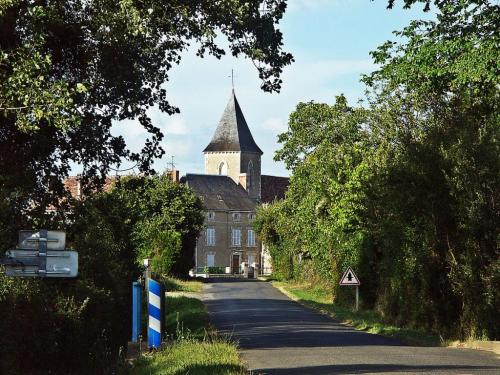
(406, 189)
(165, 218)
(270, 225)
(68, 69)
(83, 319)
(328, 150)
(435, 119)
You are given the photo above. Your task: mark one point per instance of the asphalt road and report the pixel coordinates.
(279, 336)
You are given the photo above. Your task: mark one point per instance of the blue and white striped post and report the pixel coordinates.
(155, 314)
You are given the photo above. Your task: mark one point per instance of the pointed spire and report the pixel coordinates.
(232, 133)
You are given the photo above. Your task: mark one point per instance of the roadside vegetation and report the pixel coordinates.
(403, 187)
(192, 357)
(87, 319)
(193, 346)
(173, 284)
(371, 321)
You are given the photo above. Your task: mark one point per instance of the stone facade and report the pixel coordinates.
(243, 168)
(250, 165)
(231, 189)
(214, 161)
(221, 250)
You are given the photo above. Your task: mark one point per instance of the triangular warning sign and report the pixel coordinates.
(349, 278)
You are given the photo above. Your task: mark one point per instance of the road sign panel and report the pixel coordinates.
(349, 278)
(29, 239)
(58, 263)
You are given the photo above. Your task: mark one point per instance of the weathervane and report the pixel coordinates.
(171, 164)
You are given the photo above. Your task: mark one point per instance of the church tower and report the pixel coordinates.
(233, 151)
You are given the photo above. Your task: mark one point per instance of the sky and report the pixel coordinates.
(330, 41)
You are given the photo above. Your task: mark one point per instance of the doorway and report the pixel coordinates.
(235, 264)
(251, 260)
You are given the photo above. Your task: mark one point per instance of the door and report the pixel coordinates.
(236, 263)
(211, 260)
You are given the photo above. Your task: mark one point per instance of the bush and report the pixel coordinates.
(77, 325)
(80, 326)
(166, 218)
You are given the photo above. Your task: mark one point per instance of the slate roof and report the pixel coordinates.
(273, 188)
(232, 133)
(219, 192)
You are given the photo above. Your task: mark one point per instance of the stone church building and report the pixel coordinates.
(231, 189)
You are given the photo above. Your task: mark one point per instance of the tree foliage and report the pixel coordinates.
(69, 69)
(84, 319)
(76, 323)
(167, 218)
(406, 189)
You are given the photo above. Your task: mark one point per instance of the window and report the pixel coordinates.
(223, 169)
(236, 237)
(211, 215)
(251, 216)
(251, 238)
(250, 174)
(210, 260)
(211, 236)
(236, 216)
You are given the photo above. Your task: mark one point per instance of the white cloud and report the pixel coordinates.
(273, 125)
(133, 133)
(178, 147)
(176, 125)
(201, 89)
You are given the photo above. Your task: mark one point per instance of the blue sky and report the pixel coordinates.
(330, 40)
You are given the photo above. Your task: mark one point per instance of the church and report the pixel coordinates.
(231, 190)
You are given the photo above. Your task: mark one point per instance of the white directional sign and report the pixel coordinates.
(58, 263)
(41, 253)
(29, 239)
(349, 278)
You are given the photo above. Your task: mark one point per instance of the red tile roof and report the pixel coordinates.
(72, 184)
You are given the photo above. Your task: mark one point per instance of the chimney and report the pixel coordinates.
(243, 180)
(174, 175)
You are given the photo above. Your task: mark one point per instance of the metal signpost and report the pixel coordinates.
(350, 278)
(136, 310)
(41, 254)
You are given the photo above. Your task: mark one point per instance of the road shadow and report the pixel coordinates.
(278, 323)
(377, 369)
(273, 330)
(230, 279)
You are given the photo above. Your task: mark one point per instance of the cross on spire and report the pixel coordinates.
(232, 78)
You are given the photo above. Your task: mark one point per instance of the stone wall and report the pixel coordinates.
(231, 158)
(254, 190)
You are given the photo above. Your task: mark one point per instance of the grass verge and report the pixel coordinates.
(365, 320)
(195, 348)
(186, 318)
(191, 357)
(177, 285)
